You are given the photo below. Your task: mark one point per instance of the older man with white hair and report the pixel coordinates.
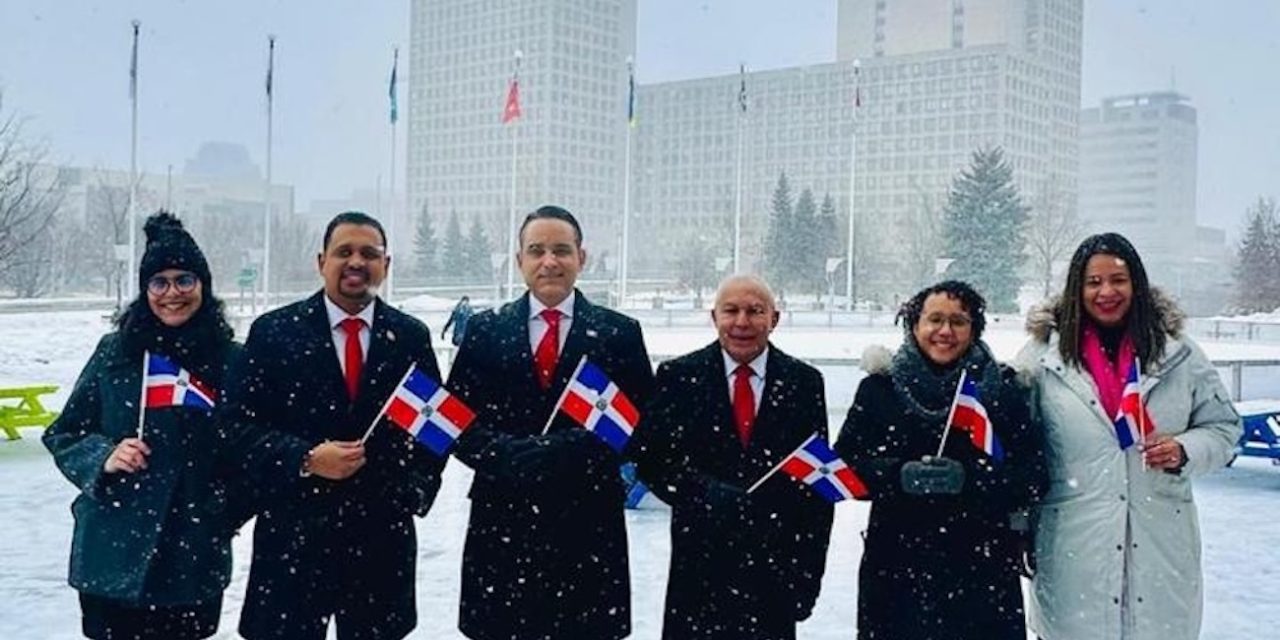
(743, 566)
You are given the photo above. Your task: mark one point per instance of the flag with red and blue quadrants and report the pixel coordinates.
(595, 402)
(430, 414)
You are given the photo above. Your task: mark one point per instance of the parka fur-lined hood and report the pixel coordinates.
(876, 359)
(1041, 320)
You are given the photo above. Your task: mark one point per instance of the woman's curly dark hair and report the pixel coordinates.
(972, 302)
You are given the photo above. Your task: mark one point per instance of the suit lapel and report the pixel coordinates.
(518, 358)
(770, 433)
(718, 389)
(378, 374)
(583, 333)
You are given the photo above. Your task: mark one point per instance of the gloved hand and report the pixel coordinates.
(932, 476)
(556, 459)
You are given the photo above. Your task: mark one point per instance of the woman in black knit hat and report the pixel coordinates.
(151, 552)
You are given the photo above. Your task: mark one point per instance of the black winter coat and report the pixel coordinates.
(546, 549)
(322, 546)
(942, 567)
(748, 569)
(160, 536)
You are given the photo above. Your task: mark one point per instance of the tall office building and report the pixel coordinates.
(1138, 178)
(937, 80)
(569, 139)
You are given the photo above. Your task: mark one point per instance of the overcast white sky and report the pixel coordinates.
(64, 65)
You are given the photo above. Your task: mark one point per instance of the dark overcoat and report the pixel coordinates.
(160, 536)
(942, 567)
(323, 547)
(546, 553)
(754, 572)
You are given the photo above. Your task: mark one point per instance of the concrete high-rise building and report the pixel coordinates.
(1138, 178)
(1001, 73)
(570, 137)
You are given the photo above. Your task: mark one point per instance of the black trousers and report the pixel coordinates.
(106, 619)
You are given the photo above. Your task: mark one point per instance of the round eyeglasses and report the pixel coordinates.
(183, 282)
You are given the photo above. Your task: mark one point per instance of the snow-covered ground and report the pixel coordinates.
(1239, 506)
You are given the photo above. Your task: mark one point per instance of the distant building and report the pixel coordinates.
(224, 161)
(570, 136)
(1138, 178)
(969, 74)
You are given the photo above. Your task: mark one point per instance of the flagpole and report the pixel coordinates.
(133, 167)
(737, 205)
(266, 189)
(142, 399)
(391, 215)
(964, 374)
(386, 405)
(512, 239)
(556, 409)
(778, 466)
(1142, 410)
(853, 171)
(626, 186)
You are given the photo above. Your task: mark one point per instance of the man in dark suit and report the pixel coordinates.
(335, 536)
(743, 566)
(546, 550)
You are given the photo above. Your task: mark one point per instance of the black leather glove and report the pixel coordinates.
(932, 476)
(557, 459)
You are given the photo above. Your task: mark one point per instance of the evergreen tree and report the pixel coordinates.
(453, 261)
(424, 245)
(777, 261)
(478, 248)
(1257, 268)
(983, 229)
(806, 246)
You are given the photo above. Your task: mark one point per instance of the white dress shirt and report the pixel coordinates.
(538, 324)
(336, 316)
(757, 374)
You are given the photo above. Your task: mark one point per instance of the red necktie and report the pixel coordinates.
(353, 355)
(744, 403)
(544, 358)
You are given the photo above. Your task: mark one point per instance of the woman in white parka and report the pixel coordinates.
(1117, 548)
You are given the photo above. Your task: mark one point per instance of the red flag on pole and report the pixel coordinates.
(512, 109)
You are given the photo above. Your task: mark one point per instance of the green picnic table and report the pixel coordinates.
(21, 407)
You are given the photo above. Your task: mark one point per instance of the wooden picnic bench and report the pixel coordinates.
(27, 411)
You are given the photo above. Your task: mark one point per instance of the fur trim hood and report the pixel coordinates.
(1041, 320)
(877, 359)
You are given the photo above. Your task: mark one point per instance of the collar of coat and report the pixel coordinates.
(1043, 350)
(1041, 320)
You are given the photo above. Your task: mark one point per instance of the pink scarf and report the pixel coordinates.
(1108, 376)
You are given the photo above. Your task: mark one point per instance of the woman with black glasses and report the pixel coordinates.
(151, 552)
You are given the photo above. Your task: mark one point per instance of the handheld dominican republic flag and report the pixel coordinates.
(596, 403)
(971, 416)
(815, 464)
(430, 414)
(168, 385)
(512, 109)
(1132, 422)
